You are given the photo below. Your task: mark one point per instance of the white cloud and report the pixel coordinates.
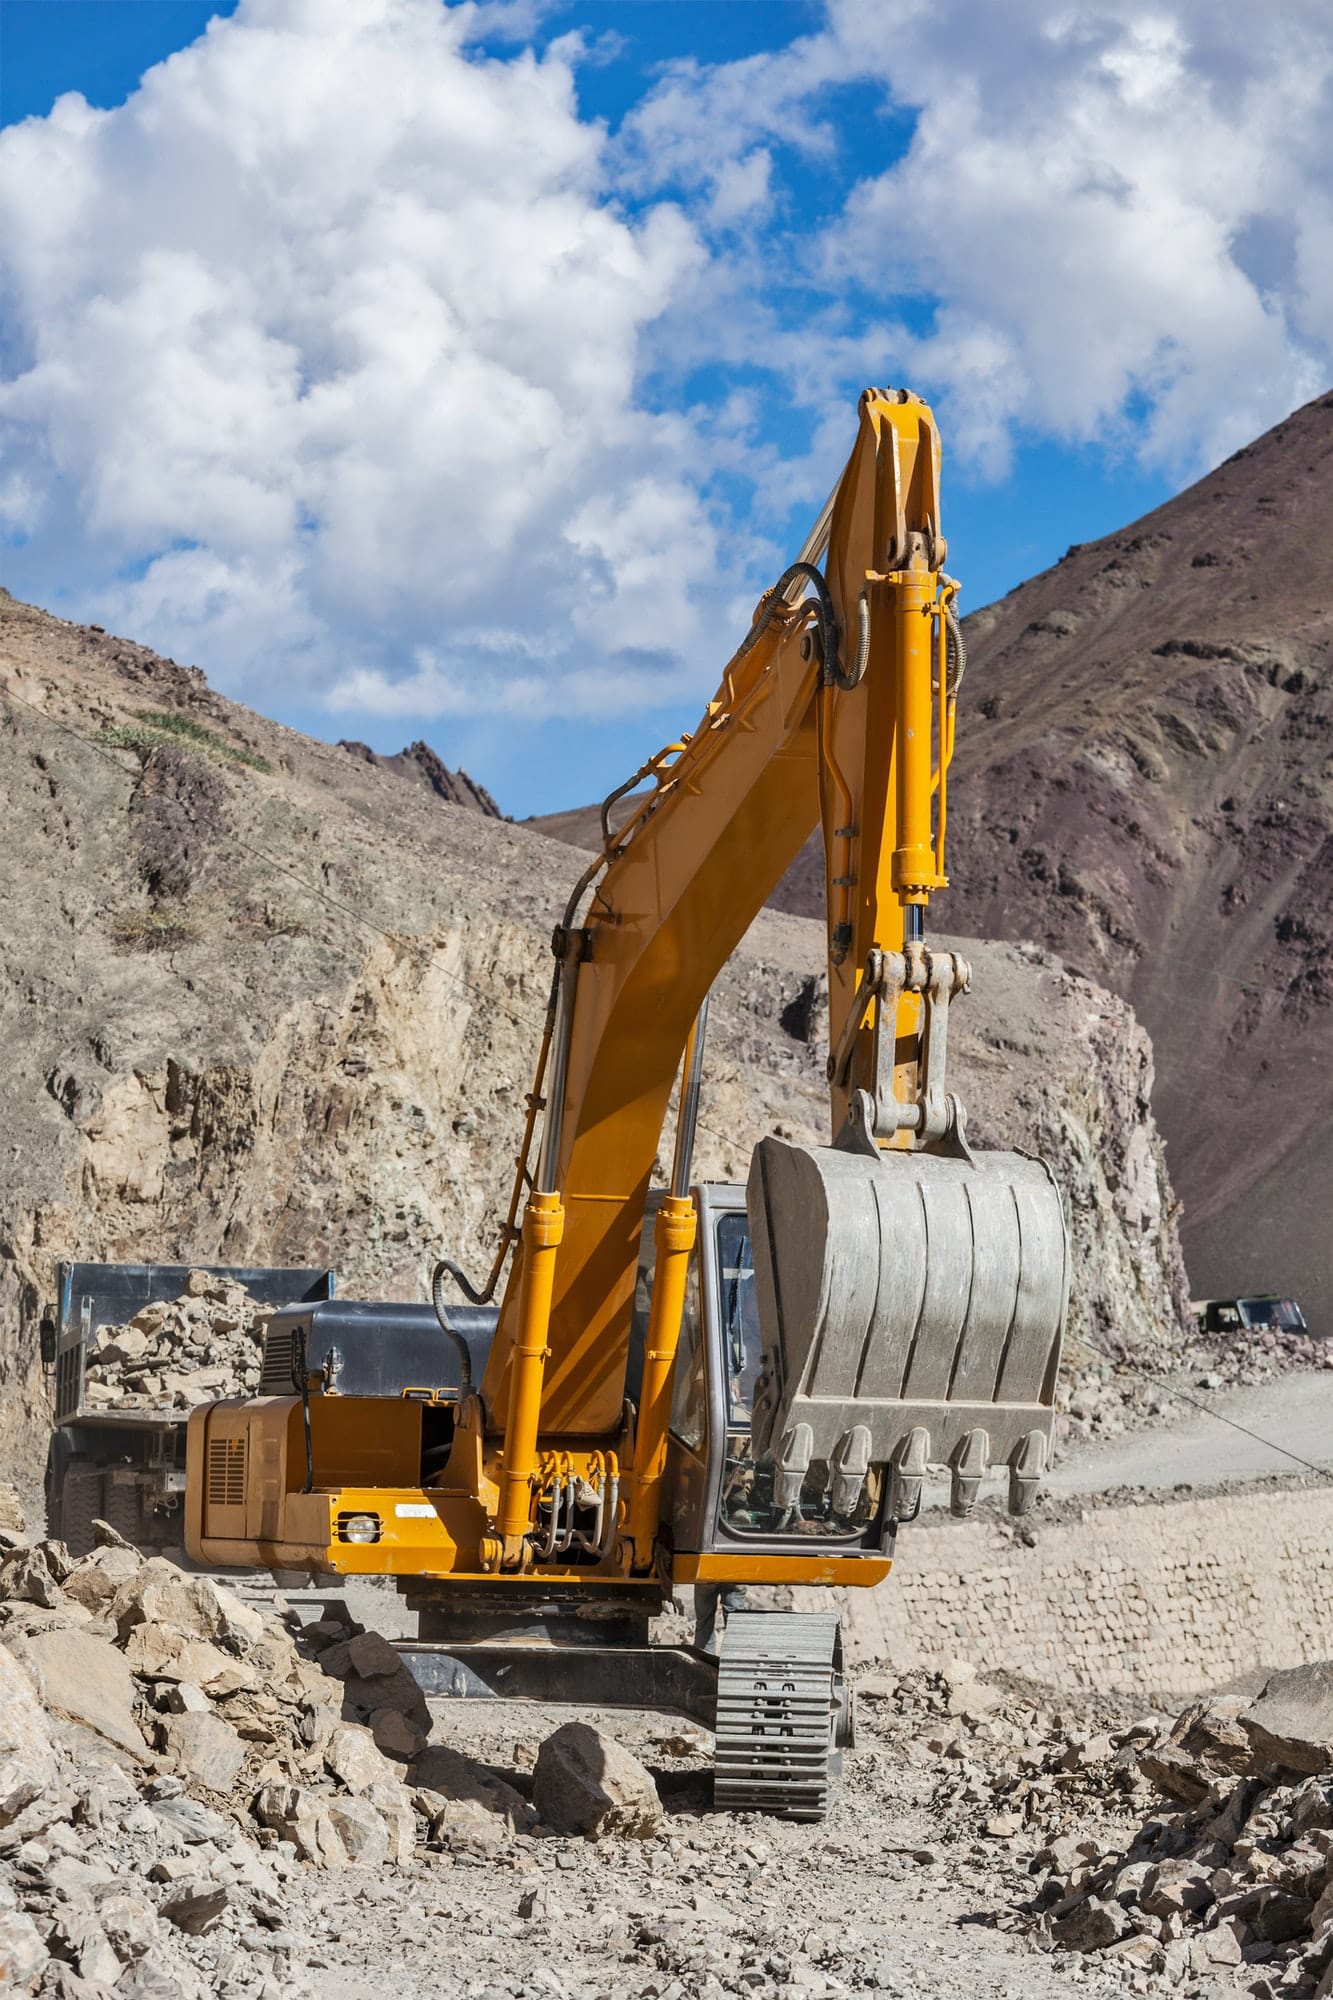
(1087, 205)
(346, 358)
(326, 344)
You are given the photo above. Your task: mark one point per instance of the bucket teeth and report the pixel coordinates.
(971, 1463)
(1027, 1466)
(911, 1459)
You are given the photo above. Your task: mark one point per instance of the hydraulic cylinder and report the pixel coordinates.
(673, 1235)
(543, 1227)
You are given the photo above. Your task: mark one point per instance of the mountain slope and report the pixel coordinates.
(1144, 785)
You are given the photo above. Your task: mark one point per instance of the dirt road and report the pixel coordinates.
(1245, 1434)
(898, 1893)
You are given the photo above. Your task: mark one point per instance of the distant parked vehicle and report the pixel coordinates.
(1263, 1314)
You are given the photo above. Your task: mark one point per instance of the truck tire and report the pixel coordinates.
(76, 1504)
(122, 1508)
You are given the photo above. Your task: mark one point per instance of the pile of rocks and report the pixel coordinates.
(175, 1353)
(1238, 1360)
(1230, 1884)
(1104, 1399)
(172, 1760)
(1013, 1761)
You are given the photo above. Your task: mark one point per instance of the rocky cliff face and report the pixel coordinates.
(262, 1002)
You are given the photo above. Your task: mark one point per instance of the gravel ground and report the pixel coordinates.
(899, 1892)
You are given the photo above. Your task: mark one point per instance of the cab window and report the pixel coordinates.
(748, 1504)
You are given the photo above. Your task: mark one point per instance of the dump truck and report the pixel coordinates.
(126, 1465)
(1261, 1312)
(700, 1385)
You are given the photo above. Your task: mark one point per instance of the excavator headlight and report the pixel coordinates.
(358, 1527)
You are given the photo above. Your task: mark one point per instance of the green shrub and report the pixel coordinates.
(207, 739)
(161, 725)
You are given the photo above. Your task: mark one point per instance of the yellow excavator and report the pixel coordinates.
(708, 1385)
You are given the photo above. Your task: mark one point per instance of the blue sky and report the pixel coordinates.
(466, 373)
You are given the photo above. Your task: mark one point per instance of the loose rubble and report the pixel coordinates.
(172, 1762)
(195, 1800)
(1104, 1399)
(1228, 1886)
(199, 1348)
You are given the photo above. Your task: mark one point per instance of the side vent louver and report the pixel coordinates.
(226, 1472)
(276, 1376)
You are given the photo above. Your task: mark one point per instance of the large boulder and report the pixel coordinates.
(207, 1751)
(375, 1680)
(361, 1829)
(1206, 1746)
(160, 1594)
(351, 1756)
(457, 1779)
(83, 1678)
(23, 1956)
(162, 1653)
(1291, 1723)
(27, 1757)
(302, 1817)
(94, 1581)
(585, 1782)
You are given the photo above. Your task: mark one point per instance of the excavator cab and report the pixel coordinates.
(731, 1497)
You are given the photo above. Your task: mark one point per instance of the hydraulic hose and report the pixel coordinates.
(957, 649)
(445, 1269)
(777, 599)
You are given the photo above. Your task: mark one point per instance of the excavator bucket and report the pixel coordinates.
(911, 1308)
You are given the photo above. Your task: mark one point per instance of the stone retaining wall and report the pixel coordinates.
(1174, 1596)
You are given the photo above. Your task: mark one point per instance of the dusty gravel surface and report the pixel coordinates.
(895, 1893)
(1244, 1434)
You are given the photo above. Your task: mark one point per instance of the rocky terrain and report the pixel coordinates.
(1235, 1870)
(1142, 786)
(198, 1797)
(263, 1001)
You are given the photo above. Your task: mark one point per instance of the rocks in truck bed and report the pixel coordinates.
(201, 1347)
